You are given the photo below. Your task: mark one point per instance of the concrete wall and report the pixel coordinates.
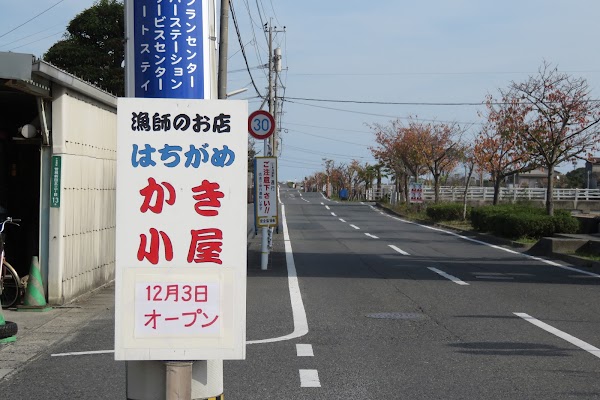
(82, 229)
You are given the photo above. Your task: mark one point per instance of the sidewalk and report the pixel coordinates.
(40, 330)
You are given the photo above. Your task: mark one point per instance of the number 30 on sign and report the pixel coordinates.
(261, 124)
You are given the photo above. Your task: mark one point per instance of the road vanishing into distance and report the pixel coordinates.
(361, 304)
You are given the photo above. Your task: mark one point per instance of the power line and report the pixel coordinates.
(237, 29)
(382, 115)
(329, 127)
(328, 138)
(31, 19)
(313, 151)
(395, 103)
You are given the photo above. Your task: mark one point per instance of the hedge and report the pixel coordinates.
(446, 211)
(515, 221)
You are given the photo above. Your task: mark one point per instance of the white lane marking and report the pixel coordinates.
(304, 350)
(322, 203)
(298, 311)
(327, 208)
(371, 236)
(306, 200)
(309, 378)
(398, 250)
(563, 335)
(82, 353)
(333, 214)
(362, 203)
(342, 220)
(448, 276)
(354, 226)
(549, 262)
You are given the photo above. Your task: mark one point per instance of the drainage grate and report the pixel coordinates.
(397, 315)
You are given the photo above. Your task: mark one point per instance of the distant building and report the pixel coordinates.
(536, 178)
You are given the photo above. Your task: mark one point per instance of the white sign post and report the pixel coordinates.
(181, 251)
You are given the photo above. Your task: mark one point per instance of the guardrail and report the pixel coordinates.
(477, 193)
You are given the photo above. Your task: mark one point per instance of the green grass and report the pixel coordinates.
(587, 255)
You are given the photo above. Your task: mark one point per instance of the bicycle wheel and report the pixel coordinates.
(11, 286)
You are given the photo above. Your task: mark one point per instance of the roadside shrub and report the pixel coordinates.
(564, 222)
(514, 226)
(517, 221)
(484, 219)
(446, 211)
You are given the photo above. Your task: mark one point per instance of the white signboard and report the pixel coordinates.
(265, 186)
(416, 192)
(181, 250)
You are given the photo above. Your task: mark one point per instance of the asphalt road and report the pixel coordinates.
(386, 309)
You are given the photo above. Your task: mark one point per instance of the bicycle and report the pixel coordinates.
(10, 284)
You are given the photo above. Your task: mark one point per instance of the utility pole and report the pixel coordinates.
(223, 48)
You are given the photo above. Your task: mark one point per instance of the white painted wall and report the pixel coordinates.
(82, 230)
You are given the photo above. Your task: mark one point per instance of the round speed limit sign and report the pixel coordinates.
(261, 124)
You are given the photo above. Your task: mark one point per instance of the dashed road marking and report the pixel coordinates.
(371, 236)
(327, 208)
(448, 276)
(342, 220)
(309, 378)
(398, 250)
(304, 350)
(354, 226)
(333, 214)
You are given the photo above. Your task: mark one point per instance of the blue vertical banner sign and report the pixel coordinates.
(170, 49)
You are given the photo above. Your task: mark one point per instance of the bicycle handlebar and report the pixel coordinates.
(9, 220)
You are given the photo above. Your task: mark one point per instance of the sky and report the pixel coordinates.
(389, 51)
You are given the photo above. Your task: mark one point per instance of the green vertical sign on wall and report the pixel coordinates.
(55, 182)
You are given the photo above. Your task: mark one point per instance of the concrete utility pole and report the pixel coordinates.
(223, 48)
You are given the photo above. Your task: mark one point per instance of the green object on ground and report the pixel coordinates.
(35, 299)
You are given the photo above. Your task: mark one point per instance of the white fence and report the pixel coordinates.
(475, 193)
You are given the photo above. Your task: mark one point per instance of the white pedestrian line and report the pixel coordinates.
(448, 276)
(327, 208)
(82, 353)
(298, 311)
(398, 250)
(309, 378)
(563, 335)
(304, 350)
(354, 226)
(342, 220)
(371, 236)
(333, 214)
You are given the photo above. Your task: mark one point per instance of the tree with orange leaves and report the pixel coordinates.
(495, 151)
(441, 149)
(560, 120)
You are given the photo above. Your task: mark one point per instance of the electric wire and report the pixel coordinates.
(32, 18)
(237, 29)
(382, 115)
